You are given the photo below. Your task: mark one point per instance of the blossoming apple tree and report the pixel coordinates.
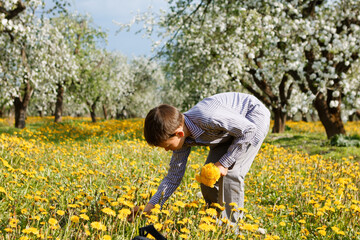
(274, 48)
(34, 55)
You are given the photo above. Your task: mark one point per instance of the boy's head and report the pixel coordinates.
(161, 124)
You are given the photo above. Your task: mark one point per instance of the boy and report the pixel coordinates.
(234, 125)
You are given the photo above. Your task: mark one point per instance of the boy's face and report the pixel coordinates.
(174, 143)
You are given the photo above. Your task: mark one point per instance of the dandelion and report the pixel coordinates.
(337, 230)
(180, 204)
(13, 222)
(31, 230)
(211, 211)
(60, 212)
(98, 226)
(207, 227)
(158, 226)
(74, 219)
(106, 237)
(249, 227)
(109, 211)
(123, 213)
(233, 204)
(52, 221)
(185, 230)
(209, 175)
(322, 232)
(84, 216)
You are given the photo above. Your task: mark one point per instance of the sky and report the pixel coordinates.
(104, 12)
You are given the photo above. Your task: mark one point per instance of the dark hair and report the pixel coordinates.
(161, 123)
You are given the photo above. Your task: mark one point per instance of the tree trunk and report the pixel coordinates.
(105, 112)
(20, 113)
(355, 116)
(330, 118)
(279, 121)
(59, 103)
(92, 113)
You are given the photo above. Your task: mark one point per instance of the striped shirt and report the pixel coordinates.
(237, 117)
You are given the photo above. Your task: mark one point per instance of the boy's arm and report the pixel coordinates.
(240, 128)
(169, 184)
(173, 179)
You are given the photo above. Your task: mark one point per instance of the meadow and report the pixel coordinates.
(79, 180)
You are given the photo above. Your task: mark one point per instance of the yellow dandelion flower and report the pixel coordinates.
(169, 222)
(158, 226)
(180, 204)
(183, 236)
(9, 230)
(337, 230)
(218, 206)
(209, 175)
(106, 237)
(322, 232)
(250, 227)
(211, 211)
(84, 216)
(2, 190)
(123, 213)
(23, 238)
(166, 212)
(155, 211)
(109, 211)
(233, 204)
(207, 227)
(185, 230)
(74, 219)
(31, 230)
(52, 221)
(60, 212)
(98, 226)
(13, 222)
(282, 224)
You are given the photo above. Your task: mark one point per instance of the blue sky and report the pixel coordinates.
(105, 11)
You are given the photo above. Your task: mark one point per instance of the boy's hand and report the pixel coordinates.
(223, 170)
(136, 209)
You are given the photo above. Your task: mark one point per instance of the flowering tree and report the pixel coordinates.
(33, 54)
(271, 47)
(133, 86)
(146, 89)
(81, 37)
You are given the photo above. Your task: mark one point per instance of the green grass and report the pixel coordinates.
(312, 143)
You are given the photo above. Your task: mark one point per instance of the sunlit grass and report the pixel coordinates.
(79, 180)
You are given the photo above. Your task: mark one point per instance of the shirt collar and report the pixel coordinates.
(194, 130)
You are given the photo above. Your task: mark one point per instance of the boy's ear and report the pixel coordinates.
(180, 133)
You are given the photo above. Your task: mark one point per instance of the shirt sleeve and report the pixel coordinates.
(240, 128)
(174, 176)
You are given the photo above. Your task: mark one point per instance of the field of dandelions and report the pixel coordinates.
(79, 180)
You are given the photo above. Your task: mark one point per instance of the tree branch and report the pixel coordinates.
(13, 13)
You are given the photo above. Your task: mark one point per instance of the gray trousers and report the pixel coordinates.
(230, 188)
